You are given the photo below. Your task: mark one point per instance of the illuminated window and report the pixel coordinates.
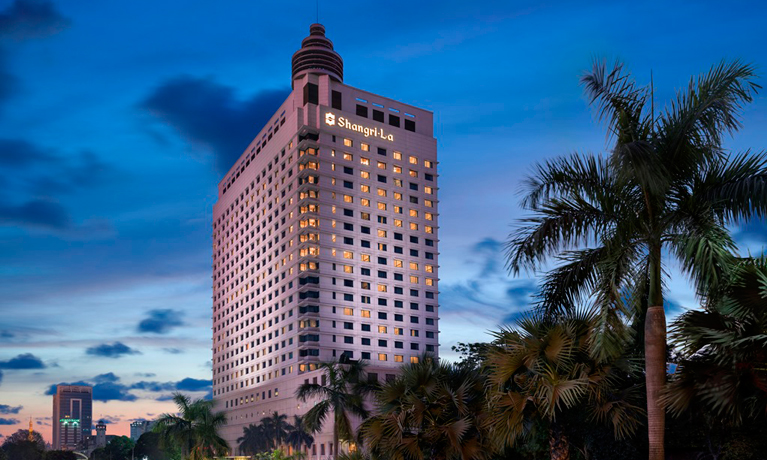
(396, 169)
(382, 233)
(397, 358)
(365, 215)
(429, 268)
(397, 223)
(382, 206)
(413, 213)
(348, 269)
(428, 190)
(348, 143)
(382, 356)
(413, 160)
(414, 359)
(348, 156)
(333, 238)
(413, 226)
(428, 163)
(365, 161)
(333, 223)
(397, 263)
(348, 255)
(428, 229)
(332, 167)
(365, 257)
(382, 329)
(365, 202)
(365, 285)
(365, 188)
(365, 174)
(428, 216)
(398, 182)
(428, 203)
(413, 279)
(413, 332)
(349, 311)
(383, 288)
(398, 331)
(348, 199)
(413, 173)
(413, 266)
(397, 155)
(430, 281)
(381, 165)
(381, 192)
(365, 313)
(364, 147)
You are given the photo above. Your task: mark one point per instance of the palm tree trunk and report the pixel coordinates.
(559, 448)
(335, 442)
(655, 359)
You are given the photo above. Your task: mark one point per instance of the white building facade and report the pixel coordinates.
(325, 244)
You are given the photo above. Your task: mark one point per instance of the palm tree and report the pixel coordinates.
(544, 369)
(298, 434)
(668, 185)
(275, 429)
(432, 410)
(723, 369)
(194, 429)
(253, 440)
(341, 397)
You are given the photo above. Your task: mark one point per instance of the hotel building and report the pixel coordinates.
(325, 244)
(72, 416)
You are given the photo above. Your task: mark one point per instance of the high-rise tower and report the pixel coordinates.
(72, 416)
(324, 244)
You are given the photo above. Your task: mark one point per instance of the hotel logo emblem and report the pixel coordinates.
(330, 119)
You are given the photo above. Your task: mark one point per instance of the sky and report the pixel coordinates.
(118, 119)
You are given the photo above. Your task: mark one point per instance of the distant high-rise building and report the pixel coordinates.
(72, 416)
(101, 435)
(324, 244)
(139, 427)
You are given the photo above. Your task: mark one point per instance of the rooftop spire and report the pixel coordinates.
(317, 56)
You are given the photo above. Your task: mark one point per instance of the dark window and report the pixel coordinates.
(398, 303)
(349, 297)
(381, 274)
(381, 151)
(429, 255)
(348, 184)
(397, 317)
(348, 170)
(382, 343)
(381, 315)
(398, 236)
(365, 271)
(413, 306)
(413, 186)
(365, 230)
(414, 292)
(398, 290)
(381, 178)
(414, 239)
(414, 252)
(414, 346)
(378, 115)
(311, 94)
(365, 243)
(430, 308)
(349, 212)
(348, 339)
(394, 120)
(348, 283)
(430, 321)
(365, 342)
(398, 276)
(398, 249)
(366, 327)
(414, 319)
(409, 124)
(428, 177)
(362, 111)
(429, 347)
(336, 102)
(382, 260)
(429, 295)
(429, 334)
(429, 242)
(398, 345)
(366, 355)
(348, 226)
(348, 240)
(348, 325)
(382, 302)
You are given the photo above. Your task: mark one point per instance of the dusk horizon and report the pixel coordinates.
(119, 123)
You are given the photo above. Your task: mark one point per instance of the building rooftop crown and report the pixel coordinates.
(317, 56)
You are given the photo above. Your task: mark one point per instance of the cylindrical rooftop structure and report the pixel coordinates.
(317, 56)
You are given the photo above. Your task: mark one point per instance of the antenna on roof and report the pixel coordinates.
(318, 12)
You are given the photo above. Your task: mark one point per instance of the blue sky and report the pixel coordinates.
(117, 121)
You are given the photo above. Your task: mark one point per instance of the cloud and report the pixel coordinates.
(160, 321)
(164, 398)
(189, 384)
(115, 350)
(26, 19)
(6, 409)
(9, 421)
(173, 351)
(210, 115)
(1, 376)
(107, 419)
(35, 213)
(23, 361)
(109, 377)
(145, 374)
